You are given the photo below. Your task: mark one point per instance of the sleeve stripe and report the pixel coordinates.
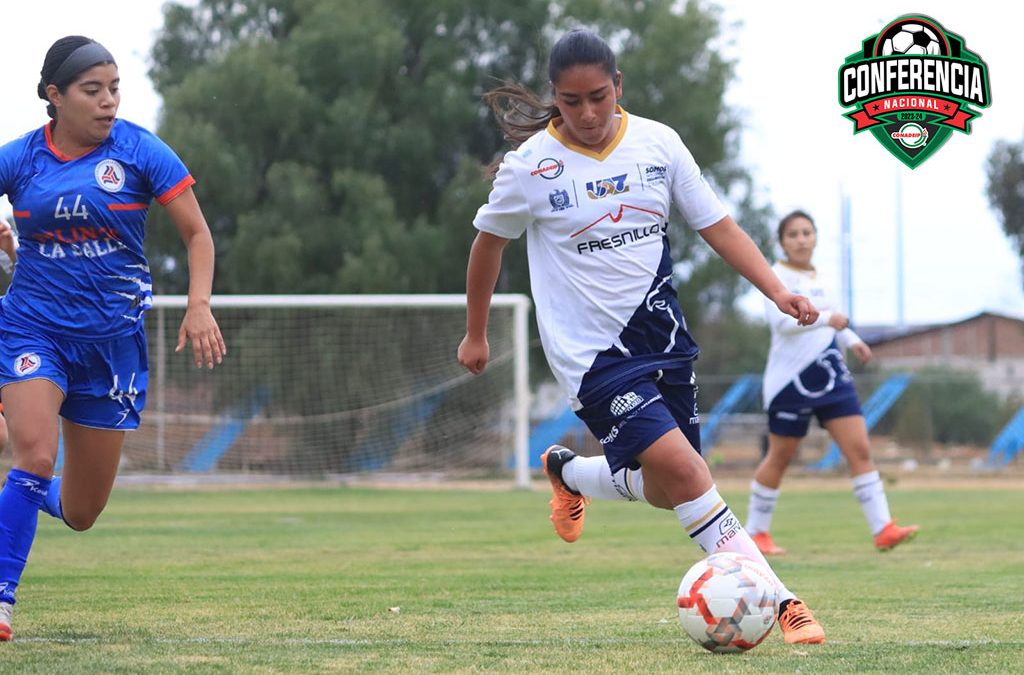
(128, 207)
(185, 183)
(22, 214)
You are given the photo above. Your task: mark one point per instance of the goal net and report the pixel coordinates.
(326, 386)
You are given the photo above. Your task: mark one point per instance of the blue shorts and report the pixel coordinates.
(104, 381)
(823, 389)
(640, 411)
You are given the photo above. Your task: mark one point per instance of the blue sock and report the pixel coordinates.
(20, 500)
(51, 505)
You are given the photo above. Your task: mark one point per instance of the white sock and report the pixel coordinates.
(592, 477)
(870, 492)
(711, 524)
(762, 507)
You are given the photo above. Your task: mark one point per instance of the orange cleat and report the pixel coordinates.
(765, 544)
(566, 506)
(892, 535)
(799, 627)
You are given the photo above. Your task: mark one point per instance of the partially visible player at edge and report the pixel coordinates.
(593, 186)
(71, 324)
(806, 375)
(8, 257)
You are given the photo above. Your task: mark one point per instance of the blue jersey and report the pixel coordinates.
(81, 270)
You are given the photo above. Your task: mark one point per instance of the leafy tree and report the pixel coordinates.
(339, 144)
(1005, 172)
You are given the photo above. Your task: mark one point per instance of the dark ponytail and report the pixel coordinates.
(520, 112)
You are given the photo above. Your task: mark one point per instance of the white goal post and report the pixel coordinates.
(320, 386)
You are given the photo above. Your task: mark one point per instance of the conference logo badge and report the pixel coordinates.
(912, 85)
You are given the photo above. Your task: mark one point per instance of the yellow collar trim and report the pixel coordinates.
(599, 156)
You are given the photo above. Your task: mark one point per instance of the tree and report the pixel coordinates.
(1005, 172)
(339, 145)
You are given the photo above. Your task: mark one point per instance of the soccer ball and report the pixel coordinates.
(912, 38)
(728, 603)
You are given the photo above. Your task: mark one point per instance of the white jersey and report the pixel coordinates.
(600, 266)
(795, 347)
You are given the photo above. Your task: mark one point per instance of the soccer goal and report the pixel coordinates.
(335, 385)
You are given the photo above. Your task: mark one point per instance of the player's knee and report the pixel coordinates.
(37, 464)
(79, 523)
(81, 520)
(858, 453)
(781, 454)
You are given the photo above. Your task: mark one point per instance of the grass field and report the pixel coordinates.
(373, 580)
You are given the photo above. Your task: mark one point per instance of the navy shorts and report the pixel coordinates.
(635, 414)
(824, 389)
(104, 381)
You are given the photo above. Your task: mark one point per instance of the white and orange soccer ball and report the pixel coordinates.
(728, 603)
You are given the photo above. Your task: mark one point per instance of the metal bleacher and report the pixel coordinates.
(1008, 443)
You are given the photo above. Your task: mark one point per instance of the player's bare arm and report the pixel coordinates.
(736, 247)
(199, 326)
(481, 276)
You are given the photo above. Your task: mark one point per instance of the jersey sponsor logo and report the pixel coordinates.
(549, 168)
(624, 403)
(560, 200)
(606, 187)
(27, 363)
(655, 175)
(110, 175)
(619, 239)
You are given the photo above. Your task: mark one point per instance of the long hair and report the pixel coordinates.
(521, 112)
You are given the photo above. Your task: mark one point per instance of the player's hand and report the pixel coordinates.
(861, 351)
(202, 330)
(796, 306)
(474, 354)
(839, 321)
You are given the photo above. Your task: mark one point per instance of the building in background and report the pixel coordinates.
(990, 344)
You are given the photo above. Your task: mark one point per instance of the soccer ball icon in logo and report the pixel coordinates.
(728, 603)
(911, 37)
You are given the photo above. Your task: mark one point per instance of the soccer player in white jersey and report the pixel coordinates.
(592, 186)
(806, 376)
(72, 343)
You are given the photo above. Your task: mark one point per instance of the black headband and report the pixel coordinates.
(83, 58)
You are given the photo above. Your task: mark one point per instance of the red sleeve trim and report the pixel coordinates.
(185, 183)
(22, 214)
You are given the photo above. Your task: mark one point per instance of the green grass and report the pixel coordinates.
(304, 580)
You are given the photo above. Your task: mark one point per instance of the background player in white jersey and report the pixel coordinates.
(71, 324)
(805, 376)
(593, 187)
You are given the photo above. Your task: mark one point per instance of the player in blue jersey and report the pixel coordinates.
(71, 324)
(592, 186)
(806, 375)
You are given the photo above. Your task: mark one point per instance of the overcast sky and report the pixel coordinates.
(801, 149)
